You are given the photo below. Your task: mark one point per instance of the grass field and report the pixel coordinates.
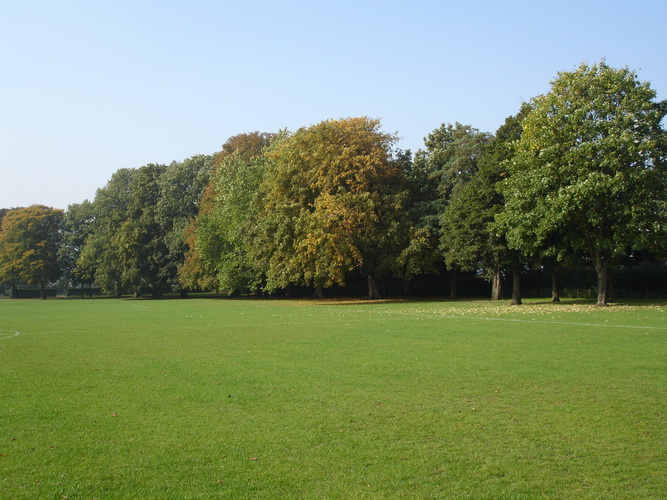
(206, 398)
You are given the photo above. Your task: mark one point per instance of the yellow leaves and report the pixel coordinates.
(339, 178)
(29, 243)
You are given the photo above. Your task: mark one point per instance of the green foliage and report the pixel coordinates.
(125, 251)
(181, 186)
(456, 152)
(77, 226)
(440, 178)
(199, 271)
(421, 255)
(134, 235)
(590, 167)
(452, 156)
(222, 236)
(578, 175)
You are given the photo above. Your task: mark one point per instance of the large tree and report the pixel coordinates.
(590, 167)
(139, 242)
(223, 231)
(421, 255)
(181, 186)
(29, 242)
(198, 271)
(470, 239)
(334, 201)
(126, 250)
(448, 163)
(98, 260)
(77, 226)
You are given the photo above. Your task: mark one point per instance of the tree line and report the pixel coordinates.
(578, 175)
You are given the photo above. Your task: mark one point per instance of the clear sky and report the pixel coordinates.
(88, 87)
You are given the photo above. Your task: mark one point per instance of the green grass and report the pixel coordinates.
(298, 399)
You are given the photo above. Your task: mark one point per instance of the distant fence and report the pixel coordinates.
(35, 293)
(591, 293)
(82, 292)
(32, 293)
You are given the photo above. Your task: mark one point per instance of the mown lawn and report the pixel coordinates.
(206, 398)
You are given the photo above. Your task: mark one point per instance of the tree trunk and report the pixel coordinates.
(453, 283)
(136, 294)
(42, 291)
(497, 286)
(373, 290)
(602, 271)
(183, 293)
(319, 292)
(555, 285)
(516, 288)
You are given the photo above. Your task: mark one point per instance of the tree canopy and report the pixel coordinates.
(590, 167)
(333, 202)
(29, 242)
(578, 176)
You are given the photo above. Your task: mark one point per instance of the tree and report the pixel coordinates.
(98, 259)
(181, 186)
(334, 201)
(126, 250)
(420, 255)
(590, 167)
(29, 241)
(222, 232)
(197, 272)
(139, 242)
(77, 226)
(449, 163)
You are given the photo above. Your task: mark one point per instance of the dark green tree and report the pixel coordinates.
(181, 186)
(99, 260)
(77, 226)
(421, 255)
(139, 241)
(590, 166)
(449, 162)
(126, 250)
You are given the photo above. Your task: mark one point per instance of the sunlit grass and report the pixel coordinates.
(303, 399)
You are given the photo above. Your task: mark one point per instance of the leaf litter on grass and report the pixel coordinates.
(642, 316)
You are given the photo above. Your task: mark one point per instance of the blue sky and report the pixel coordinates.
(88, 87)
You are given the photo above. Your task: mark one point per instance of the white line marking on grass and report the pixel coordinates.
(8, 334)
(541, 322)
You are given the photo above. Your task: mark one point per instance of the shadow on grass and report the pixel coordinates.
(356, 301)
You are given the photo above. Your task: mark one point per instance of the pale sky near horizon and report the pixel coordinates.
(89, 87)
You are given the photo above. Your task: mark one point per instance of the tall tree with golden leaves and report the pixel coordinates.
(334, 201)
(29, 241)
